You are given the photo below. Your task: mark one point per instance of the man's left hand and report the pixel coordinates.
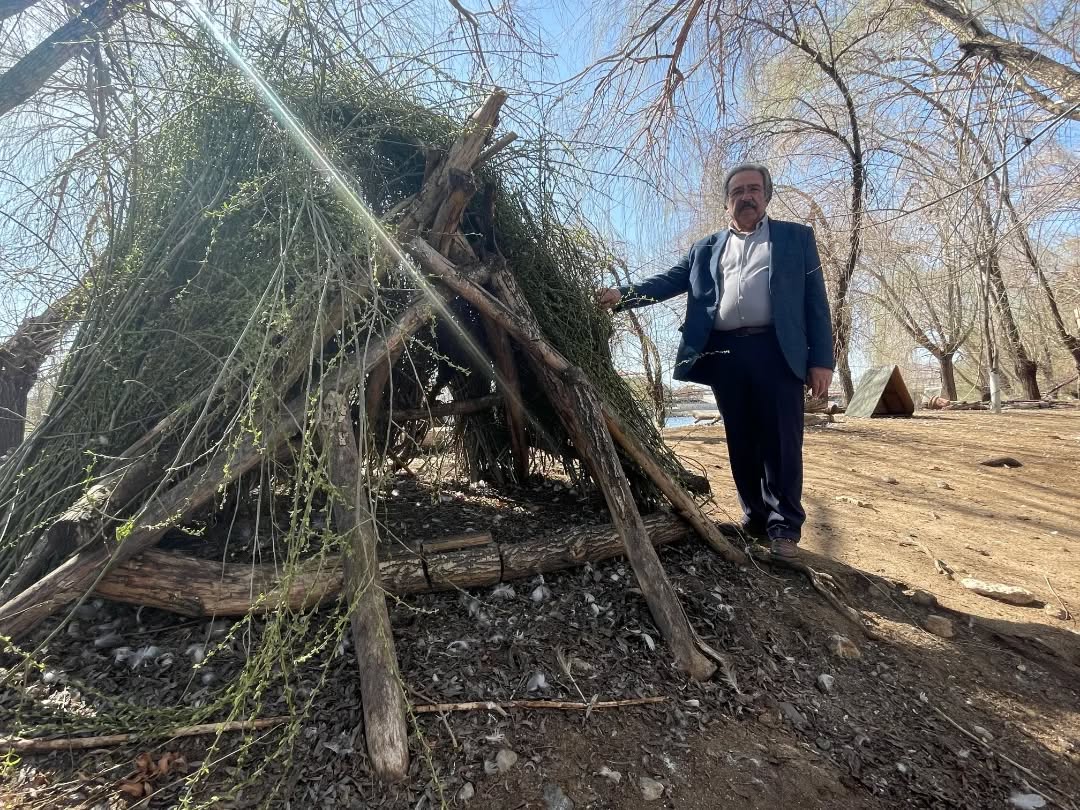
(819, 380)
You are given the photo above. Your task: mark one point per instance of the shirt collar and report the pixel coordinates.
(762, 223)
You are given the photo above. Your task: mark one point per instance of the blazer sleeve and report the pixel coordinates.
(660, 287)
(819, 336)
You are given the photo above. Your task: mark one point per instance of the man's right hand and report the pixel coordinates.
(608, 298)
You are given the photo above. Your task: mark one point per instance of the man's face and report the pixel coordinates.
(746, 199)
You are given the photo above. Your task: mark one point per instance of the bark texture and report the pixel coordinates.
(195, 587)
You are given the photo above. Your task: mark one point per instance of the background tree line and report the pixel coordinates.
(932, 145)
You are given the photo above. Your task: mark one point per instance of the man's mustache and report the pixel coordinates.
(746, 204)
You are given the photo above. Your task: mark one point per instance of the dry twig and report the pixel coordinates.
(564, 705)
(35, 746)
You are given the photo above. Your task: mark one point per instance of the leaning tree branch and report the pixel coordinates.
(30, 73)
(976, 39)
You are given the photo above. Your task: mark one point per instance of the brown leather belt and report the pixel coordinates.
(745, 331)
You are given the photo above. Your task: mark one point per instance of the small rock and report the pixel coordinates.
(939, 626)
(1001, 461)
(943, 485)
(505, 760)
(983, 734)
(888, 479)
(921, 598)
(793, 715)
(1026, 801)
(826, 683)
(1013, 594)
(853, 501)
(541, 593)
(823, 743)
(651, 790)
(466, 792)
(843, 647)
(556, 799)
(607, 773)
(1055, 612)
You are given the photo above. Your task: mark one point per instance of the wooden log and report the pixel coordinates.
(84, 569)
(508, 383)
(195, 587)
(500, 706)
(495, 148)
(574, 547)
(456, 542)
(459, 407)
(467, 568)
(1051, 391)
(684, 504)
(382, 697)
(437, 191)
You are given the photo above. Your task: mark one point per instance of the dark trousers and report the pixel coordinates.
(761, 401)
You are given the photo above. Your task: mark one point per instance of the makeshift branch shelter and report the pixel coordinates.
(261, 332)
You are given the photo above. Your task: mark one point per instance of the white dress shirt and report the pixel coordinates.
(744, 268)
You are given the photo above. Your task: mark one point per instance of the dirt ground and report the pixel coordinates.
(989, 718)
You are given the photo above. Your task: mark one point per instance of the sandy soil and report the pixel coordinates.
(986, 718)
(879, 493)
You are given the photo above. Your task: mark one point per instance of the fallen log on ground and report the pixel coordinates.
(196, 587)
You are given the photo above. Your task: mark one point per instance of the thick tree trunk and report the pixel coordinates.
(1023, 365)
(381, 692)
(948, 375)
(195, 587)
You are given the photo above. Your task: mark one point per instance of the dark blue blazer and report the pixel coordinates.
(799, 302)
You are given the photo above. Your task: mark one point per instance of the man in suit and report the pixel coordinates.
(757, 330)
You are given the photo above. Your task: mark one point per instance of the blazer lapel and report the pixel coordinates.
(778, 244)
(714, 264)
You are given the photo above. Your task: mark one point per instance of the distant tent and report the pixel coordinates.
(881, 392)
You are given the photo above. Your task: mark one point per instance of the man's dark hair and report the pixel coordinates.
(761, 168)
